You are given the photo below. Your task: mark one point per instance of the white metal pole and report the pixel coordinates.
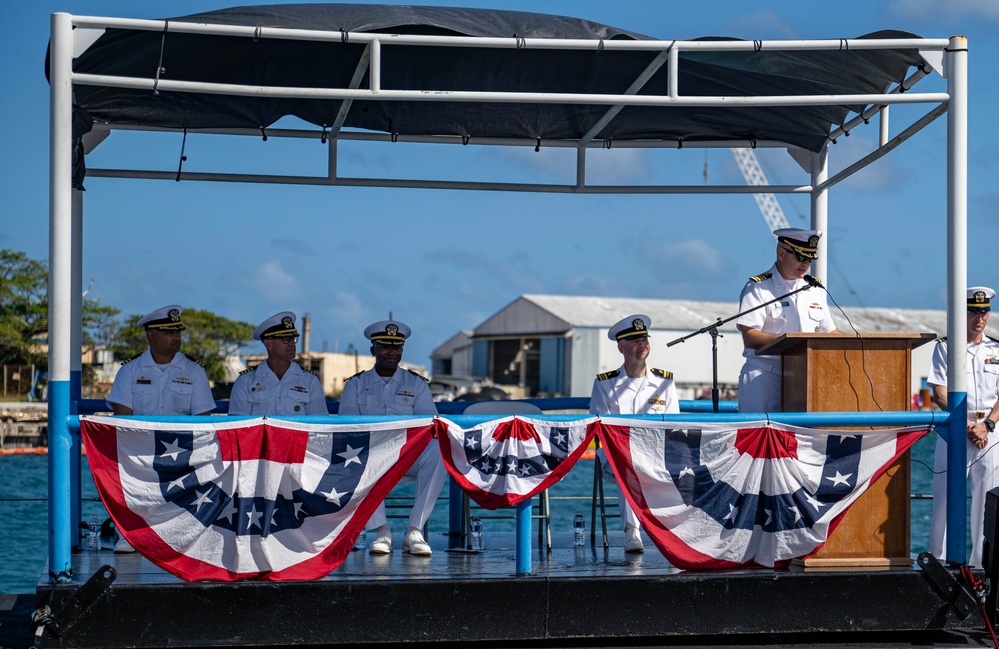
(820, 211)
(956, 66)
(75, 357)
(60, 291)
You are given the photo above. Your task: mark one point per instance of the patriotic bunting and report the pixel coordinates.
(505, 461)
(717, 496)
(252, 499)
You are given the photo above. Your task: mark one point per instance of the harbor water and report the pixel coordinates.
(24, 511)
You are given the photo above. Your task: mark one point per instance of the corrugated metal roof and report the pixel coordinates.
(458, 341)
(535, 314)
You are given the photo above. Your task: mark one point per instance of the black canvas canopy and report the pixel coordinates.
(245, 61)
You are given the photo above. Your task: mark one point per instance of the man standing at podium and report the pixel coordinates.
(983, 412)
(759, 381)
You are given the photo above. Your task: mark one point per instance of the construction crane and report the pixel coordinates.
(753, 173)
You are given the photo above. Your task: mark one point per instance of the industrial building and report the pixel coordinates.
(554, 345)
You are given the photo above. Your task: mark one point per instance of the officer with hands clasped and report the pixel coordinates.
(759, 381)
(636, 389)
(387, 389)
(279, 385)
(983, 413)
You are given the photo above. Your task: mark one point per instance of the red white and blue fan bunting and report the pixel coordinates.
(505, 461)
(717, 496)
(253, 499)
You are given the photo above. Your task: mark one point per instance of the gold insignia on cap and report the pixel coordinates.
(174, 315)
(813, 241)
(288, 322)
(980, 297)
(391, 329)
(638, 324)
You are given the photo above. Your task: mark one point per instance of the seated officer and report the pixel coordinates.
(279, 385)
(387, 389)
(161, 380)
(632, 389)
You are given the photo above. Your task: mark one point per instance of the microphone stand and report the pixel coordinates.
(713, 330)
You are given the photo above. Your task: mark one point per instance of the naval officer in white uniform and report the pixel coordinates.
(279, 385)
(759, 381)
(632, 389)
(387, 389)
(983, 413)
(161, 380)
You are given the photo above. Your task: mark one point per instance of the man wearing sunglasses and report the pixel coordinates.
(279, 385)
(759, 381)
(983, 413)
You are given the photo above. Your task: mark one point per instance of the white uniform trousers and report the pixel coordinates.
(429, 472)
(984, 475)
(628, 514)
(759, 387)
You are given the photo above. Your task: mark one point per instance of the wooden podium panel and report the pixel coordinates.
(838, 372)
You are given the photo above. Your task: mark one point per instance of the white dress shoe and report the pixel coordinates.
(382, 543)
(633, 540)
(414, 543)
(123, 547)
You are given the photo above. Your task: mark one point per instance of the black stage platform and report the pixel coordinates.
(574, 597)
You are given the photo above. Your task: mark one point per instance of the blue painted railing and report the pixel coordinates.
(691, 412)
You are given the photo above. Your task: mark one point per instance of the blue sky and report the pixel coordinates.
(444, 261)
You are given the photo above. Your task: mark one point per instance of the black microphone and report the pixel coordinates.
(811, 281)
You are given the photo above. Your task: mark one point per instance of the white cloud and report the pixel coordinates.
(691, 257)
(276, 284)
(882, 174)
(766, 25)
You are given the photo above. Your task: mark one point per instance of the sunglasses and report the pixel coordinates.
(797, 255)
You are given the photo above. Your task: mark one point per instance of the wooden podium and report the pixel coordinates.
(839, 372)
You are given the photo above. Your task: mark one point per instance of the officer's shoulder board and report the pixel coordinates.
(133, 358)
(760, 278)
(663, 374)
(248, 370)
(943, 339)
(194, 360)
(358, 374)
(608, 375)
(419, 375)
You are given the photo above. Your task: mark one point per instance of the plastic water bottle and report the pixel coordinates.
(94, 534)
(578, 527)
(362, 540)
(476, 525)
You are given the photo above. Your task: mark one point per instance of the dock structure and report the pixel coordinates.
(576, 596)
(99, 84)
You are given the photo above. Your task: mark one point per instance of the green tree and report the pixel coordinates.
(24, 306)
(209, 339)
(24, 309)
